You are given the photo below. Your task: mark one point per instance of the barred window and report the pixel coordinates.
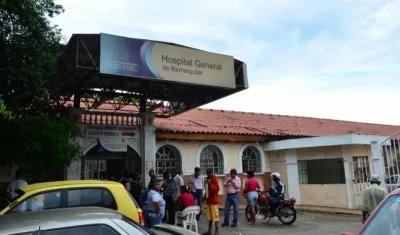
(251, 159)
(168, 158)
(211, 157)
(321, 171)
(360, 167)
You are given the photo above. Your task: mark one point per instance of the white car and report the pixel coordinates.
(392, 183)
(79, 221)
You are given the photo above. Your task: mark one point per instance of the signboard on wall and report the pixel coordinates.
(111, 131)
(155, 60)
(114, 144)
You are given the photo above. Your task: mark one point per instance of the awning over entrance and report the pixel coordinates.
(107, 73)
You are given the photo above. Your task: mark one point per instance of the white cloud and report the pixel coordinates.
(303, 56)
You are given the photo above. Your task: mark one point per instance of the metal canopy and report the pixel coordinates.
(85, 87)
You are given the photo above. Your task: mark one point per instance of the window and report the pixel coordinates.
(91, 197)
(211, 157)
(360, 168)
(38, 202)
(168, 158)
(251, 159)
(105, 230)
(81, 230)
(321, 171)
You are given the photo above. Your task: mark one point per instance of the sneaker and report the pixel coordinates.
(233, 225)
(224, 225)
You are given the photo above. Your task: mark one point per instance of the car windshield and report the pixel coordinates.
(13, 196)
(386, 220)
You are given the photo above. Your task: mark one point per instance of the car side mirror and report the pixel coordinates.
(347, 233)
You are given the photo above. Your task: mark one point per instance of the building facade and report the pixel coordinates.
(324, 163)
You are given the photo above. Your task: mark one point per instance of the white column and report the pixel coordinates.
(348, 177)
(292, 172)
(378, 161)
(73, 171)
(148, 140)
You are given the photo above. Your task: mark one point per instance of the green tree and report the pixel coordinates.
(36, 130)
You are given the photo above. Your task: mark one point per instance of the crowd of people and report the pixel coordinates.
(167, 197)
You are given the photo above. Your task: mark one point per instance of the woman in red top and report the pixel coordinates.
(250, 191)
(185, 199)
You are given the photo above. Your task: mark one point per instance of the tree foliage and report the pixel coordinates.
(36, 130)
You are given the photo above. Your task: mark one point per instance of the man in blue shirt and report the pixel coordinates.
(276, 192)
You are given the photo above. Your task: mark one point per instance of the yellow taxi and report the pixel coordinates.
(74, 193)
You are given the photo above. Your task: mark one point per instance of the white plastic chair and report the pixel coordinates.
(188, 218)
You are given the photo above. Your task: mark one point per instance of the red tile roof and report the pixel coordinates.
(230, 122)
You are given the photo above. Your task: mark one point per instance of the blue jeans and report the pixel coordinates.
(198, 196)
(152, 218)
(273, 203)
(231, 199)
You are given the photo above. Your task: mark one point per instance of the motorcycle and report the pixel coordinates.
(284, 210)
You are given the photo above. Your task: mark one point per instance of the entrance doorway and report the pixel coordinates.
(102, 164)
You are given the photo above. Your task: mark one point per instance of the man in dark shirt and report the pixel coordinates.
(168, 190)
(153, 178)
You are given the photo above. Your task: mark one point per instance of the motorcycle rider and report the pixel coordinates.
(276, 192)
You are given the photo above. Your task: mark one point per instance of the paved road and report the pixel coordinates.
(306, 224)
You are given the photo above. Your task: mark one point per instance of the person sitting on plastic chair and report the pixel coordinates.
(183, 201)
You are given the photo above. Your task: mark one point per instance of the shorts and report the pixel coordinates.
(212, 212)
(251, 198)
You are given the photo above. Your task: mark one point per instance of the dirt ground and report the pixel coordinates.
(306, 224)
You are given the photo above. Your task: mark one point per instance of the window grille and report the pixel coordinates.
(211, 157)
(168, 158)
(321, 171)
(251, 159)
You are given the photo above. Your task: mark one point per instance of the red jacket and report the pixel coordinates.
(213, 189)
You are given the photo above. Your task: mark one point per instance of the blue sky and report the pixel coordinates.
(337, 59)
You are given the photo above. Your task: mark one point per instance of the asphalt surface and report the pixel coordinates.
(306, 224)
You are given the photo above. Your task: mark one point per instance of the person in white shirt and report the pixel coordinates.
(178, 183)
(197, 182)
(18, 183)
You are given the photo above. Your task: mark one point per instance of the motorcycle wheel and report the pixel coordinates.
(247, 212)
(282, 213)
